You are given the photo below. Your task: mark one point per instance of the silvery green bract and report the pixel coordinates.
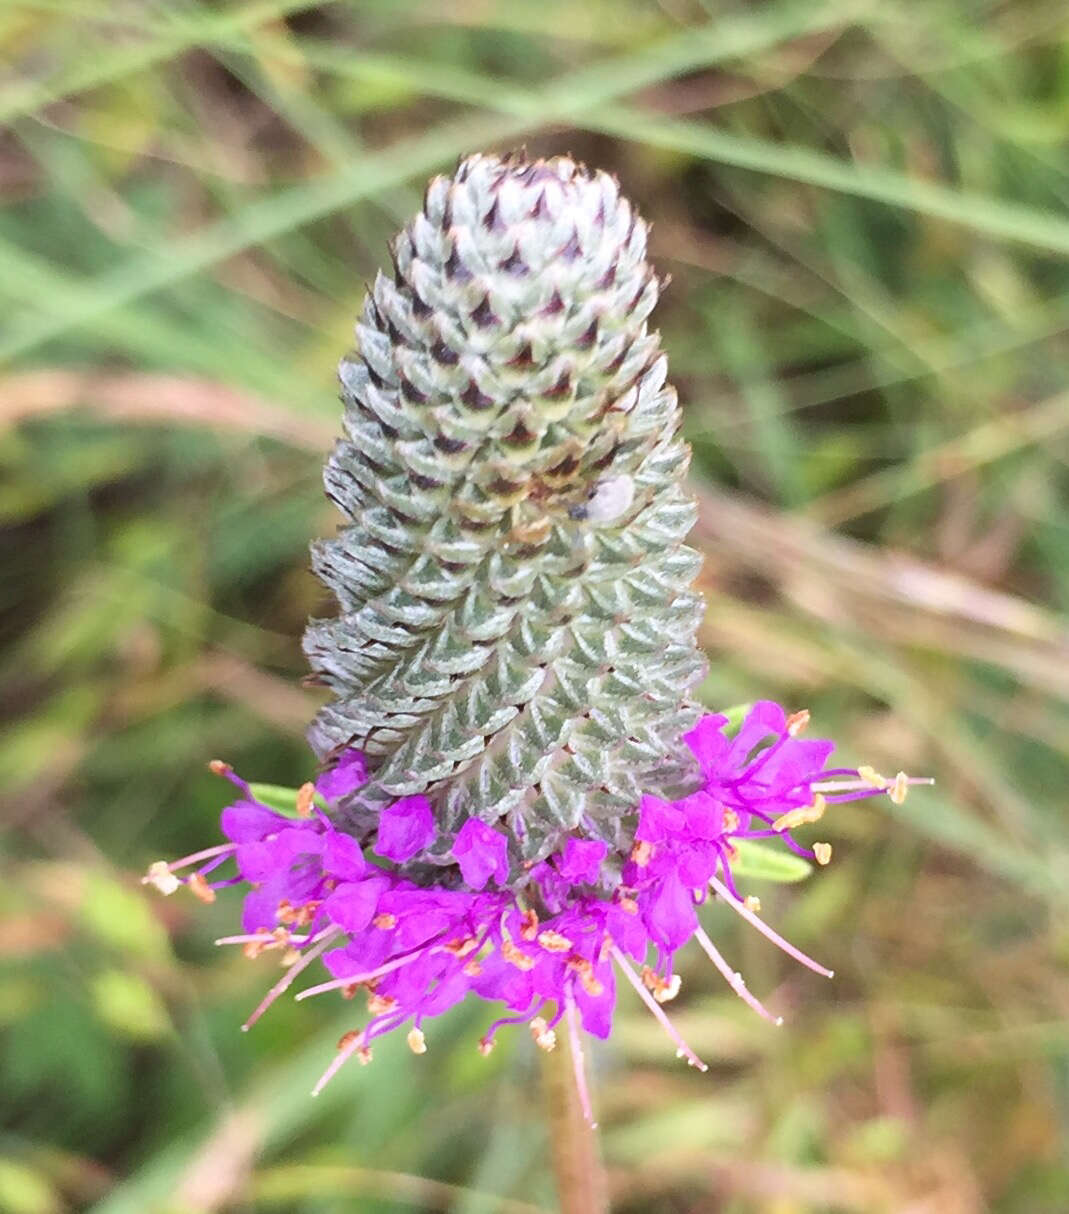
(516, 637)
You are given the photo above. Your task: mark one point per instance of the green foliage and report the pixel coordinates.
(863, 210)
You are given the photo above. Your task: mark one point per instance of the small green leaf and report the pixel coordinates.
(760, 862)
(281, 799)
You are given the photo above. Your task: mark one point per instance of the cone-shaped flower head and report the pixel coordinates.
(520, 801)
(516, 637)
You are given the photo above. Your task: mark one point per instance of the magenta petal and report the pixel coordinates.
(246, 822)
(658, 820)
(668, 911)
(347, 775)
(580, 862)
(352, 906)
(405, 828)
(343, 857)
(482, 853)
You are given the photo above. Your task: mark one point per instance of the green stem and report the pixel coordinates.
(580, 1176)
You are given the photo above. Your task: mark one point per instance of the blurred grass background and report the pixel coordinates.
(864, 209)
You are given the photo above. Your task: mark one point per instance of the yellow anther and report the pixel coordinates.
(731, 821)
(363, 1055)
(544, 1037)
(822, 853)
(554, 942)
(642, 853)
(160, 876)
(529, 930)
(486, 1046)
(794, 818)
(872, 777)
(305, 797)
(667, 991)
(897, 791)
(516, 956)
(200, 888)
(385, 921)
(797, 721)
(377, 1005)
(218, 768)
(417, 1043)
(752, 903)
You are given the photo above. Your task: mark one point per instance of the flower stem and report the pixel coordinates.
(581, 1183)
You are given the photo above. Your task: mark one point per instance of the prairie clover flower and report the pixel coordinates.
(520, 799)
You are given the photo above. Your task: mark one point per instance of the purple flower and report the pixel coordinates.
(482, 853)
(550, 949)
(347, 775)
(405, 828)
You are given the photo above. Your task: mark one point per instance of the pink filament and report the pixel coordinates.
(740, 909)
(657, 1010)
(578, 1062)
(734, 979)
(326, 939)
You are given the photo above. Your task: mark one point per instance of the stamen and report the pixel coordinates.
(159, 875)
(359, 979)
(305, 798)
(657, 1010)
(417, 1043)
(200, 888)
(575, 1044)
(740, 908)
(794, 818)
(822, 853)
(324, 942)
(350, 1044)
(734, 979)
(797, 721)
(544, 1037)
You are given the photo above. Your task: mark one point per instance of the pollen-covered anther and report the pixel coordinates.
(529, 930)
(797, 721)
(159, 876)
(544, 1037)
(486, 1046)
(554, 942)
(752, 903)
(516, 956)
(473, 968)
(730, 821)
(584, 970)
(286, 913)
(897, 791)
(417, 1043)
(385, 922)
(349, 1038)
(218, 768)
(461, 946)
(822, 853)
(664, 990)
(627, 904)
(872, 777)
(378, 1005)
(290, 957)
(303, 915)
(254, 948)
(641, 853)
(200, 888)
(363, 1055)
(305, 800)
(794, 818)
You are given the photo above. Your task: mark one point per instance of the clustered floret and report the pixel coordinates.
(549, 952)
